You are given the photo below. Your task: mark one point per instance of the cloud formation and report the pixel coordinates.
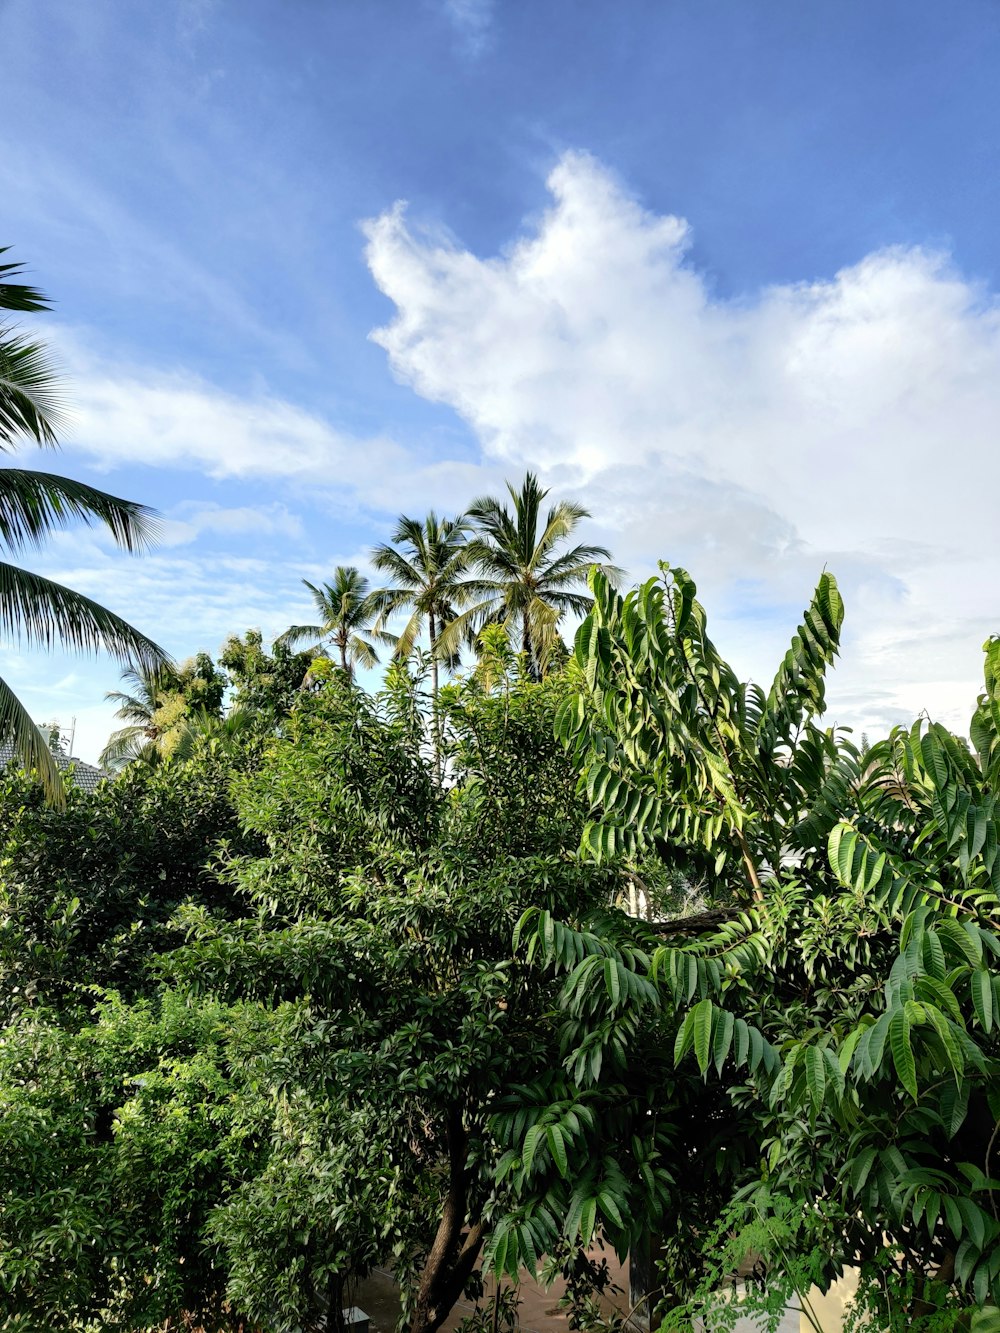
(140, 415)
(847, 421)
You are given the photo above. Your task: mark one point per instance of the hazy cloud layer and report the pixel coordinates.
(849, 421)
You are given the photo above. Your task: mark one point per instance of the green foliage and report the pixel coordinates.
(347, 613)
(526, 580)
(116, 1143)
(266, 685)
(514, 789)
(838, 1009)
(676, 749)
(428, 564)
(376, 1004)
(349, 1030)
(386, 915)
(163, 708)
(87, 893)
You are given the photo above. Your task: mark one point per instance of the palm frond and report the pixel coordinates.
(296, 634)
(492, 518)
(30, 401)
(124, 746)
(575, 565)
(577, 603)
(385, 602)
(37, 611)
(360, 650)
(29, 745)
(408, 635)
(137, 712)
(34, 504)
(490, 557)
(462, 630)
(390, 561)
(18, 295)
(559, 523)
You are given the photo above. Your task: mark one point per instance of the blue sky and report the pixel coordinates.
(727, 272)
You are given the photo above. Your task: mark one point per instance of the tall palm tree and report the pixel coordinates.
(35, 610)
(346, 618)
(526, 581)
(428, 564)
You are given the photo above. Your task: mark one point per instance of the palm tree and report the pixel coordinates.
(141, 736)
(526, 582)
(346, 618)
(35, 610)
(428, 563)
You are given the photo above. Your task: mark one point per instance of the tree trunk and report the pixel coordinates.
(455, 1250)
(343, 655)
(436, 722)
(921, 1308)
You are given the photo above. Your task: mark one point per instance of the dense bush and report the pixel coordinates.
(87, 894)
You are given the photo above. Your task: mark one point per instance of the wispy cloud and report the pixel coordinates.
(194, 519)
(848, 421)
(472, 20)
(139, 415)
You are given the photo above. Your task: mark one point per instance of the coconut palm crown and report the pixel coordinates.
(428, 564)
(526, 580)
(35, 611)
(138, 707)
(346, 617)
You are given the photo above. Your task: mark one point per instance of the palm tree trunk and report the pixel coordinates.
(435, 682)
(343, 654)
(527, 648)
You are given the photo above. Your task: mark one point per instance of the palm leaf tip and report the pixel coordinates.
(19, 295)
(29, 746)
(31, 402)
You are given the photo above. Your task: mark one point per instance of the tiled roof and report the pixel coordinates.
(85, 776)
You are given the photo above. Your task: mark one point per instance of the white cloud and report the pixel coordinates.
(189, 521)
(848, 421)
(472, 20)
(178, 420)
(138, 415)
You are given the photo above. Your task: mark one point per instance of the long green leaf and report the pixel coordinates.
(29, 746)
(981, 986)
(815, 1063)
(39, 612)
(30, 397)
(702, 1023)
(902, 1051)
